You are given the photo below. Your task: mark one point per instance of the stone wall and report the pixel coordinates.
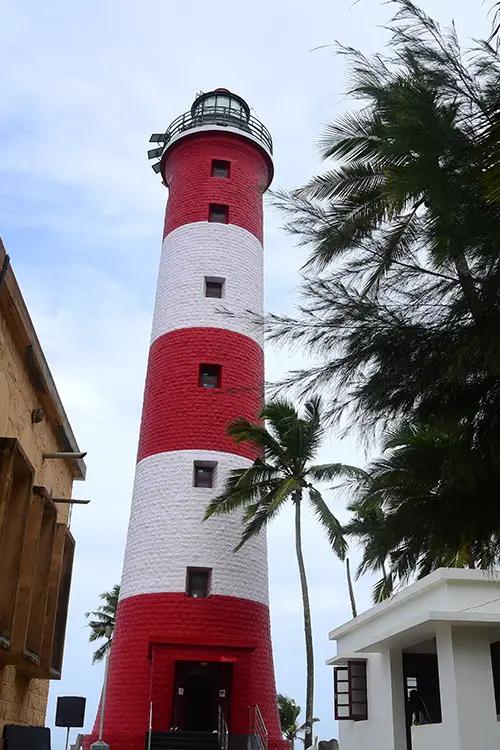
(24, 700)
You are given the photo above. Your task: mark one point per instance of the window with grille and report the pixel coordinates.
(218, 213)
(220, 168)
(351, 703)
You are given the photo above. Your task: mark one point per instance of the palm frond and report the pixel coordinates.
(244, 486)
(329, 522)
(327, 472)
(244, 431)
(260, 514)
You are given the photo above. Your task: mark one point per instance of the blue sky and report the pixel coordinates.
(81, 214)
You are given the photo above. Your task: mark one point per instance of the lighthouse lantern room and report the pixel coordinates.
(191, 661)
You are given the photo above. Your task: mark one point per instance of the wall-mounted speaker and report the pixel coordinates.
(70, 711)
(26, 738)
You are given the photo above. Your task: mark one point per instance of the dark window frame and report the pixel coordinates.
(212, 465)
(217, 374)
(354, 670)
(193, 571)
(216, 280)
(221, 165)
(218, 209)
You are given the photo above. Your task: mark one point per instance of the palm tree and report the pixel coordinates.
(102, 622)
(429, 501)
(289, 713)
(282, 473)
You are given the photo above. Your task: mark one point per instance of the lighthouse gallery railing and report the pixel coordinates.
(224, 117)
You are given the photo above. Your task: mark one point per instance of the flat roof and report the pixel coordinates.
(417, 589)
(12, 301)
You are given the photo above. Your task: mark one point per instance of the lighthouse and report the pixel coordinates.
(191, 662)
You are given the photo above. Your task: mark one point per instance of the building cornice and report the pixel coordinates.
(14, 307)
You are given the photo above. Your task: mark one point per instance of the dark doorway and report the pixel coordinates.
(200, 688)
(421, 686)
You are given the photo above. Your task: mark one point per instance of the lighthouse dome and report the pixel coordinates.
(220, 102)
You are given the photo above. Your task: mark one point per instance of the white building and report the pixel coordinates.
(421, 671)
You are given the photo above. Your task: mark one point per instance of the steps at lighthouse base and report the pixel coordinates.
(184, 741)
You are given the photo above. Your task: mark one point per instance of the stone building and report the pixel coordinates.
(36, 544)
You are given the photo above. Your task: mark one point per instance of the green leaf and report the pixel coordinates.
(329, 522)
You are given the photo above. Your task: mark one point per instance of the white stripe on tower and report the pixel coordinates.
(166, 533)
(202, 249)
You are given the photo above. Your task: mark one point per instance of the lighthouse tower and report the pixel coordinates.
(192, 646)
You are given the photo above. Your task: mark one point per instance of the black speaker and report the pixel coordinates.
(26, 738)
(70, 711)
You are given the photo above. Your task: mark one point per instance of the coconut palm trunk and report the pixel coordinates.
(468, 287)
(307, 623)
(283, 474)
(352, 598)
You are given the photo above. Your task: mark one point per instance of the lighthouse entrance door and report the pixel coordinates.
(200, 688)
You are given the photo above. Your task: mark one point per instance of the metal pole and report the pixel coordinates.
(150, 723)
(103, 698)
(66, 455)
(67, 737)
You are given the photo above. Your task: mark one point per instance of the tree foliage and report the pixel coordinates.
(101, 622)
(401, 291)
(284, 473)
(289, 713)
(429, 501)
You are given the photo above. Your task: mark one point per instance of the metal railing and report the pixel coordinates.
(224, 117)
(150, 727)
(222, 730)
(258, 727)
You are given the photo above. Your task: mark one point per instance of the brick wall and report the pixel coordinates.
(195, 251)
(155, 630)
(178, 414)
(187, 172)
(167, 534)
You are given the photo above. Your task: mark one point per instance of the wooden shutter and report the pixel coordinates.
(350, 690)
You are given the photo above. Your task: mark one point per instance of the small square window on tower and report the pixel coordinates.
(209, 376)
(214, 287)
(204, 473)
(220, 168)
(198, 582)
(218, 213)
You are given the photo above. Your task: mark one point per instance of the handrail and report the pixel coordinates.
(258, 727)
(150, 728)
(220, 116)
(222, 730)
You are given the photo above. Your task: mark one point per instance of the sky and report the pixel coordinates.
(81, 214)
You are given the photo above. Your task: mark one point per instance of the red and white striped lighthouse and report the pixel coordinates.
(192, 643)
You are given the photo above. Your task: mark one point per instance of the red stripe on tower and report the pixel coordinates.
(192, 637)
(181, 411)
(188, 174)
